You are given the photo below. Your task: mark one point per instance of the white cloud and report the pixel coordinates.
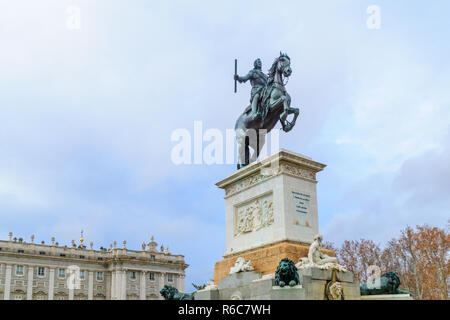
(15, 193)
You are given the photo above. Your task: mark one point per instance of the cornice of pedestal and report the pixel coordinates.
(281, 162)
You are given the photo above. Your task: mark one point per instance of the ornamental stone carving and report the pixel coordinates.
(254, 216)
(335, 291)
(297, 171)
(268, 172)
(319, 260)
(243, 184)
(241, 266)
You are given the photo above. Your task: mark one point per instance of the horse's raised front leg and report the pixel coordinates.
(283, 116)
(287, 126)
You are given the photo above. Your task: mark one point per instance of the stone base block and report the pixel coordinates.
(264, 259)
(210, 294)
(237, 280)
(257, 289)
(387, 297)
(314, 281)
(321, 274)
(261, 288)
(288, 293)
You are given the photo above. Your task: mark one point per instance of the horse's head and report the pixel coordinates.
(281, 65)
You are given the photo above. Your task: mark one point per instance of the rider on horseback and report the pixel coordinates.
(258, 80)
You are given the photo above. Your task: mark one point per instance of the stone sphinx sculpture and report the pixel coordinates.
(389, 283)
(286, 274)
(171, 293)
(318, 259)
(241, 266)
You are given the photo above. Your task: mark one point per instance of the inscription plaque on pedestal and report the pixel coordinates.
(301, 206)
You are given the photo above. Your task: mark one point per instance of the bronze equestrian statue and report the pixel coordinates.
(269, 103)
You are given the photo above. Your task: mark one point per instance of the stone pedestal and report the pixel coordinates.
(271, 211)
(253, 286)
(250, 286)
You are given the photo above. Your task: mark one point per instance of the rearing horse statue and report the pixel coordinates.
(274, 106)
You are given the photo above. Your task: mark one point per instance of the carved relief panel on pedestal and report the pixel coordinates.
(253, 215)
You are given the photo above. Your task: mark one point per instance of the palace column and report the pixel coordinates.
(119, 284)
(91, 285)
(113, 285)
(180, 282)
(51, 283)
(30, 283)
(108, 285)
(116, 285)
(161, 282)
(7, 293)
(124, 285)
(143, 295)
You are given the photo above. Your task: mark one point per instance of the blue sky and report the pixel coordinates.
(86, 116)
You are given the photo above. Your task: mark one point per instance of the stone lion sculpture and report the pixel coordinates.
(171, 293)
(286, 274)
(389, 283)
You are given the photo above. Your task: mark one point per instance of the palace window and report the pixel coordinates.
(82, 274)
(62, 254)
(41, 252)
(152, 257)
(99, 276)
(41, 271)
(151, 276)
(19, 270)
(62, 273)
(170, 277)
(20, 251)
(133, 275)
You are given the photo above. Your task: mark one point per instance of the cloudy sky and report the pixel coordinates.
(87, 114)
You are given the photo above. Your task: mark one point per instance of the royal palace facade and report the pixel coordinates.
(31, 271)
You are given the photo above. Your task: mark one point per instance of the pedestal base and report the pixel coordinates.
(265, 259)
(315, 280)
(252, 285)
